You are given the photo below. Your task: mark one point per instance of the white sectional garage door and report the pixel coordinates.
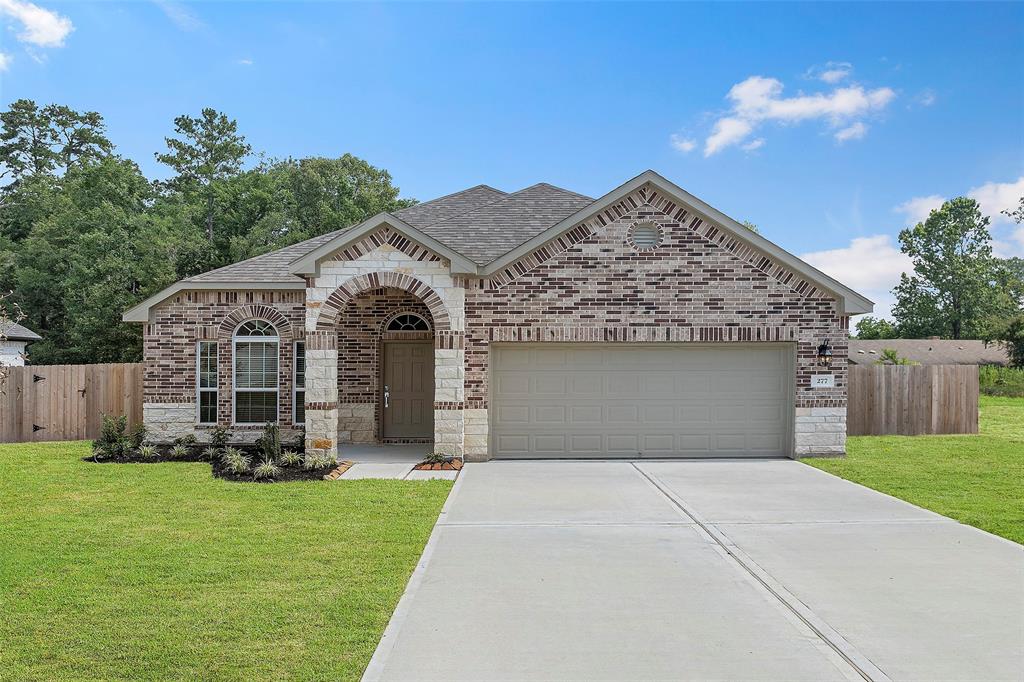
(652, 400)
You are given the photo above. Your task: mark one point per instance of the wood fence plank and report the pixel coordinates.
(912, 399)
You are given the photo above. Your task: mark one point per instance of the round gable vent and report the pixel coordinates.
(645, 236)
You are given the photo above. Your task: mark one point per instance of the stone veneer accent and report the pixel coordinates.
(346, 282)
(820, 431)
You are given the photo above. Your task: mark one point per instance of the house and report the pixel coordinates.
(13, 341)
(538, 323)
(931, 351)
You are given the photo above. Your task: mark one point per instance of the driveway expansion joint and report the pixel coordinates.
(853, 657)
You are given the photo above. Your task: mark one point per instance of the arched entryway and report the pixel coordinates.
(383, 365)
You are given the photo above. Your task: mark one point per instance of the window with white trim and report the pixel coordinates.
(407, 322)
(255, 377)
(299, 384)
(206, 382)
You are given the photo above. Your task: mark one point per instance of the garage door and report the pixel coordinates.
(603, 400)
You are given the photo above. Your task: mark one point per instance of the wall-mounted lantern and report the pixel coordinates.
(824, 354)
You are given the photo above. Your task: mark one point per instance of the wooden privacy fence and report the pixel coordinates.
(911, 400)
(66, 402)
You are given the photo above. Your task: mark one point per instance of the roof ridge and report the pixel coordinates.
(508, 196)
(564, 190)
(326, 235)
(450, 195)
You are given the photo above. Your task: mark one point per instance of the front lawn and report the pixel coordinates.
(162, 571)
(978, 480)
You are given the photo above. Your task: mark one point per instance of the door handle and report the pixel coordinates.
(387, 395)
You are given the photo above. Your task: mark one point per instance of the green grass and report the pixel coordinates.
(976, 479)
(160, 571)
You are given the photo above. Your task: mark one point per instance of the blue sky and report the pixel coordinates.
(829, 125)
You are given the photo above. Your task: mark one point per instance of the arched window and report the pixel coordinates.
(407, 322)
(256, 349)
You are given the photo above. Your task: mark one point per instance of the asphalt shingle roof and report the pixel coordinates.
(929, 351)
(481, 223)
(15, 332)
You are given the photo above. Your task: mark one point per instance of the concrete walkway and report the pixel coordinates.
(764, 570)
(389, 461)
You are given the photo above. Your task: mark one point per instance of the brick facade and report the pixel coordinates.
(697, 283)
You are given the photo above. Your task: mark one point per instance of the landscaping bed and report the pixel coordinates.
(265, 461)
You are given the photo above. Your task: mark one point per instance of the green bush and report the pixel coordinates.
(219, 437)
(148, 452)
(235, 461)
(188, 441)
(289, 458)
(318, 461)
(211, 453)
(114, 441)
(270, 442)
(179, 452)
(1002, 381)
(266, 470)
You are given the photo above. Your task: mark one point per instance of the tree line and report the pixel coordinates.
(84, 235)
(958, 289)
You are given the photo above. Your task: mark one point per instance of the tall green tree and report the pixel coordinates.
(78, 137)
(26, 141)
(208, 150)
(869, 327)
(953, 288)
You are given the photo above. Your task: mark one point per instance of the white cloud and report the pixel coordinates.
(245, 62)
(916, 210)
(996, 197)
(869, 265)
(831, 72)
(41, 27)
(753, 144)
(682, 144)
(853, 132)
(5, 61)
(727, 131)
(758, 99)
(181, 15)
(926, 98)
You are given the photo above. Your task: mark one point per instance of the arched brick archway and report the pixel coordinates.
(251, 312)
(360, 283)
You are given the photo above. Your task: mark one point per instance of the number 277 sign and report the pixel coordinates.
(823, 381)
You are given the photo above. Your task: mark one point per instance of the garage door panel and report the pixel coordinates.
(593, 400)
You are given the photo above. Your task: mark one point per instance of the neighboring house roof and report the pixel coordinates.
(481, 230)
(15, 332)
(930, 351)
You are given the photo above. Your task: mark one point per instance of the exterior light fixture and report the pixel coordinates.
(825, 354)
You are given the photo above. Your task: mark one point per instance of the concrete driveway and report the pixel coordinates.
(762, 570)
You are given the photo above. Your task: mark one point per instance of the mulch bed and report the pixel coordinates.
(289, 473)
(453, 464)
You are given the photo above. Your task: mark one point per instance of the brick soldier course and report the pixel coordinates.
(543, 265)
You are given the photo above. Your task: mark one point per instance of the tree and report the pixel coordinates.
(26, 140)
(211, 151)
(952, 289)
(889, 356)
(77, 137)
(869, 327)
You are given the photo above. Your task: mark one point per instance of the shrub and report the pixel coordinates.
(436, 458)
(235, 461)
(137, 436)
(270, 442)
(179, 452)
(113, 442)
(318, 461)
(266, 470)
(1002, 381)
(148, 452)
(219, 437)
(188, 440)
(211, 453)
(290, 458)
